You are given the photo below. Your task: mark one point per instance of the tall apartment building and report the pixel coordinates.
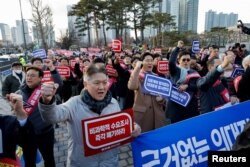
(213, 19)
(5, 31)
(14, 35)
(20, 32)
(185, 12)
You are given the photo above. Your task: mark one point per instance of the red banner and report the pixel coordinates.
(107, 132)
(6, 162)
(63, 71)
(47, 77)
(116, 45)
(162, 66)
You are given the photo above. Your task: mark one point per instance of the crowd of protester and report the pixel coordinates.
(112, 82)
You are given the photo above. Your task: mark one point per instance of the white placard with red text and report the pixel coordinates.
(107, 132)
(162, 66)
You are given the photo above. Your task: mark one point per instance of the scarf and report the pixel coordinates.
(94, 105)
(183, 75)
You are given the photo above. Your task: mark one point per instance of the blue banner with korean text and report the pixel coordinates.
(39, 53)
(237, 71)
(182, 98)
(187, 143)
(156, 85)
(195, 46)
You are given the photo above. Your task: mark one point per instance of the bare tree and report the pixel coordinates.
(65, 40)
(42, 18)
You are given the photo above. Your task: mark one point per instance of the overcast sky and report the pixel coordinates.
(10, 11)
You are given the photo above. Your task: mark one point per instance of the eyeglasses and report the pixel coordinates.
(185, 60)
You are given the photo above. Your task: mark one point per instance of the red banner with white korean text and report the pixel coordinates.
(107, 132)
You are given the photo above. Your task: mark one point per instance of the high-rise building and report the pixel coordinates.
(192, 15)
(219, 20)
(50, 38)
(6, 33)
(209, 19)
(166, 6)
(20, 32)
(175, 11)
(188, 14)
(14, 35)
(185, 12)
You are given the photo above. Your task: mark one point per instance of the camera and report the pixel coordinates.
(240, 24)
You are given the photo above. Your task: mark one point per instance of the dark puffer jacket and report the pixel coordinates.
(175, 111)
(211, 87)
(11, 132)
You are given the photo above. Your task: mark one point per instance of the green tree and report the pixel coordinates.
(117, 15)
(83, 21)
(217, 36)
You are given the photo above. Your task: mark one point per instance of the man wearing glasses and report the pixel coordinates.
(42, 135)
(184, 79)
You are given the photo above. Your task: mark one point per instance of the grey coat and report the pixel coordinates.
(73, 112)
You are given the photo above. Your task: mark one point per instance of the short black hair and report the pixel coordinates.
(40, 71)
(98, 60)
(146, 54)
(215, 47)
(36, 59)
(237, 45)
(64, 58)
(156, 55)
(182, 53)
(243, 45)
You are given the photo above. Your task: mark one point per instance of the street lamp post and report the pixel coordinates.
(24, 39)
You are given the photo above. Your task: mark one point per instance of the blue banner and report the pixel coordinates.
(237, 71)
(196, 46)
(182, 98)
(156, 85)
(6, 73)
(187, 143)
(39, 53)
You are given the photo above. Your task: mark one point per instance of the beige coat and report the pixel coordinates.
(148, 113)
